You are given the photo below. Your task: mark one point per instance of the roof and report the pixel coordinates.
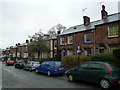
(91, 25)
(23, 44)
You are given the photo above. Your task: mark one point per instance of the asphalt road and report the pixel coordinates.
(19, 78)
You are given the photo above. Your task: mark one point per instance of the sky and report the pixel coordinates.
(21, 18)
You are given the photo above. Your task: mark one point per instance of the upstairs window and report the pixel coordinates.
(87, 37)
(62, 41)
(69, 40)
(113, 31)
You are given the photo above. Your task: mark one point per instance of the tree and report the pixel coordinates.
(53, 31)
(38, 45)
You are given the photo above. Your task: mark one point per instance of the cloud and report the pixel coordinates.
(20, 18)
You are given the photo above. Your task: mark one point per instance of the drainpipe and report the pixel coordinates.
(94, 41)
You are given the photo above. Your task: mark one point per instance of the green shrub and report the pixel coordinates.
(73, 60)
(88, 58)
(116, 52)
(103, 57)
(109, 57)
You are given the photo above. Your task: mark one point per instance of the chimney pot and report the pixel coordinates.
(86, 20)
(58, 32)
(31, 40)
(104, 14)
(27, 41)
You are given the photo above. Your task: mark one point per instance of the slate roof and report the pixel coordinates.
(91, 25)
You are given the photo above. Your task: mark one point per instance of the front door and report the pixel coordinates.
(63, 53)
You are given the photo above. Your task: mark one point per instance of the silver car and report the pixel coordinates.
(31, 65)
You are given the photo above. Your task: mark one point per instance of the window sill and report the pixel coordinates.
(70, 44)
(87, 42)
(113, 36)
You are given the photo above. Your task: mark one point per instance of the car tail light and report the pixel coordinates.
(55, 68)
(108, 68)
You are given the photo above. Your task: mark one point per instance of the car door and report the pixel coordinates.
(46, 67)
(28, 65)
(81, 72)
(95, 72)
(41, 67)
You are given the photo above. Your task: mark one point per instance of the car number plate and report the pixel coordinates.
(60, 68)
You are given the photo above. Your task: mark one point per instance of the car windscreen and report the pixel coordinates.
(36, 63)
(10, 61)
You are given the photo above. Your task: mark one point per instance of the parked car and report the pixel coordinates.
(31, 65)
(20, 64)
(9, 62)
(104, 74)
(51, 67)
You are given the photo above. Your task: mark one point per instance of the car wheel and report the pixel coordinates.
(48, 73)
(30, 69)
(104, 83)
(6, 64)
(70, 78)
(24, 68)
(15, 66)
(36, 71)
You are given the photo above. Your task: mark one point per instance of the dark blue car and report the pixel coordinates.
(51, 67)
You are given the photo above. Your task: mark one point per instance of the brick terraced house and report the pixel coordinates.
(91, 37)
(99, 36)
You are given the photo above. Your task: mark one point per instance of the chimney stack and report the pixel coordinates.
(27, 41)
(104, 14)
(58, 32)
(86, 20)
(31, 40)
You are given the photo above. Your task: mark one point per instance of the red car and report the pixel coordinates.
(9, 62)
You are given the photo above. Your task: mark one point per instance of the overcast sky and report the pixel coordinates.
(20, 18)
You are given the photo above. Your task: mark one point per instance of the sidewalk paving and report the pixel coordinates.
(0, 75)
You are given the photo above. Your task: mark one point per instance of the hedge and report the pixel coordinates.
(73, 60)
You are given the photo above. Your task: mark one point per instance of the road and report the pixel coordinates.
(19, 78)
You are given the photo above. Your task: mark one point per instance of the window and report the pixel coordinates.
(62, 41)
(69, 52)
(87, 38)
(87, 51)
(55, 44)
(83, 66)
(69, 39)
(95, 67)
(101, 50)
(113, 31)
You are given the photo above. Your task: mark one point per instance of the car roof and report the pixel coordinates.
(52, 61)
(96, 62)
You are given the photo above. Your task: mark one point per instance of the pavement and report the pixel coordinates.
(0, 75)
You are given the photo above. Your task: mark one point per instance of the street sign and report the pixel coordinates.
(79, 50)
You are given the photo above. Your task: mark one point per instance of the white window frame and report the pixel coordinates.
(86, 52)
(70, 40)
(85, 37)
(62, 41)
(69, 52)
(109, 31)
(55, 44)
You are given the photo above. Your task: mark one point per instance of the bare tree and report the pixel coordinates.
(53, 31)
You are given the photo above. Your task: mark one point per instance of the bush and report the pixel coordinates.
(73, 60)
(109, 57)
(103, 57)
(116, 52)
